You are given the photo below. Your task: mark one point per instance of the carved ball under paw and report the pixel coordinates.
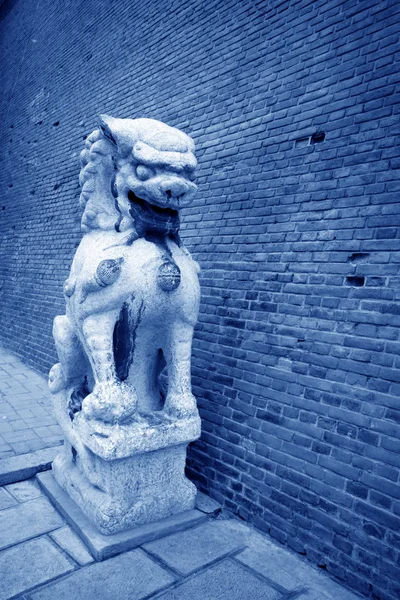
(56, 379)
(111, 402)
(183, 406)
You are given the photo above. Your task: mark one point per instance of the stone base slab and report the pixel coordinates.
(125, 493)
(103, 546)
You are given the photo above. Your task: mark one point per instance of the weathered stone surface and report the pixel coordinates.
(19, 468)
(156, 431)
(121, 323)
(27, 520)
(129, 576)
(207, 505)
(104, 546)
(30, 564)
(225, 581)
(69, 541)
(132, 301)
(120, 494)
(24, 490)
(189, 550)
(6, 500)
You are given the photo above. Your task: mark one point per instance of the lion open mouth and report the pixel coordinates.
(152, 211)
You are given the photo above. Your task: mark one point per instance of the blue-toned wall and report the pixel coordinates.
(296, 355)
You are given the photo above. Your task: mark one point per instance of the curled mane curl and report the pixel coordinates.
(96, 176)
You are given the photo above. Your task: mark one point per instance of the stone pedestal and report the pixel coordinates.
(127, 475)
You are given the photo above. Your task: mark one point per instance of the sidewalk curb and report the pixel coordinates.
(25, 466)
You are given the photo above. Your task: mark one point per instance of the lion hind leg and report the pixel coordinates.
(73, 365)
(180, 401)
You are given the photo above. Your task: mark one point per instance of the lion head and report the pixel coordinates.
(136, 173)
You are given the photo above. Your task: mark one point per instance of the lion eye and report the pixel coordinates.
(192, 175)
(143, 172)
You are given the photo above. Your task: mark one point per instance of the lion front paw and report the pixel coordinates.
(181, 406)
(56, 379)
(111, 402)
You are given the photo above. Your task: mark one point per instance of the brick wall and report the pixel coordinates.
(294, 111)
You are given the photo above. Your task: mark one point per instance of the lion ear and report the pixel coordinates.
(114, 130)
(106, 124)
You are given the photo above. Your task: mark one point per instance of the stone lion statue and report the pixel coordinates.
(132, 295)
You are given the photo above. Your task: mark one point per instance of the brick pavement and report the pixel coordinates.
(41, 558)
(26, 420)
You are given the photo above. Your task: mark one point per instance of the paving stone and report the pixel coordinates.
(40, 413)
(53, 440)
(207, 505)
(19, 447)
(129, 576)
(20, 377)
(43, 431)
(189, 550)
(30, 564)
(20, 402)
(5, 426)
(19, 436)
(27, 520)
(24, 491)
(56, 430)
(19, 425)
(69, 541)
(6, 500)
(327, 590)
(36, 445)
(26, 413)
(313, 595)
(270, 561)
(104, 546)
(224, 581)
(18, 468)
(290, 571)
(7, 453)
(7, 413)
(37, 421)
